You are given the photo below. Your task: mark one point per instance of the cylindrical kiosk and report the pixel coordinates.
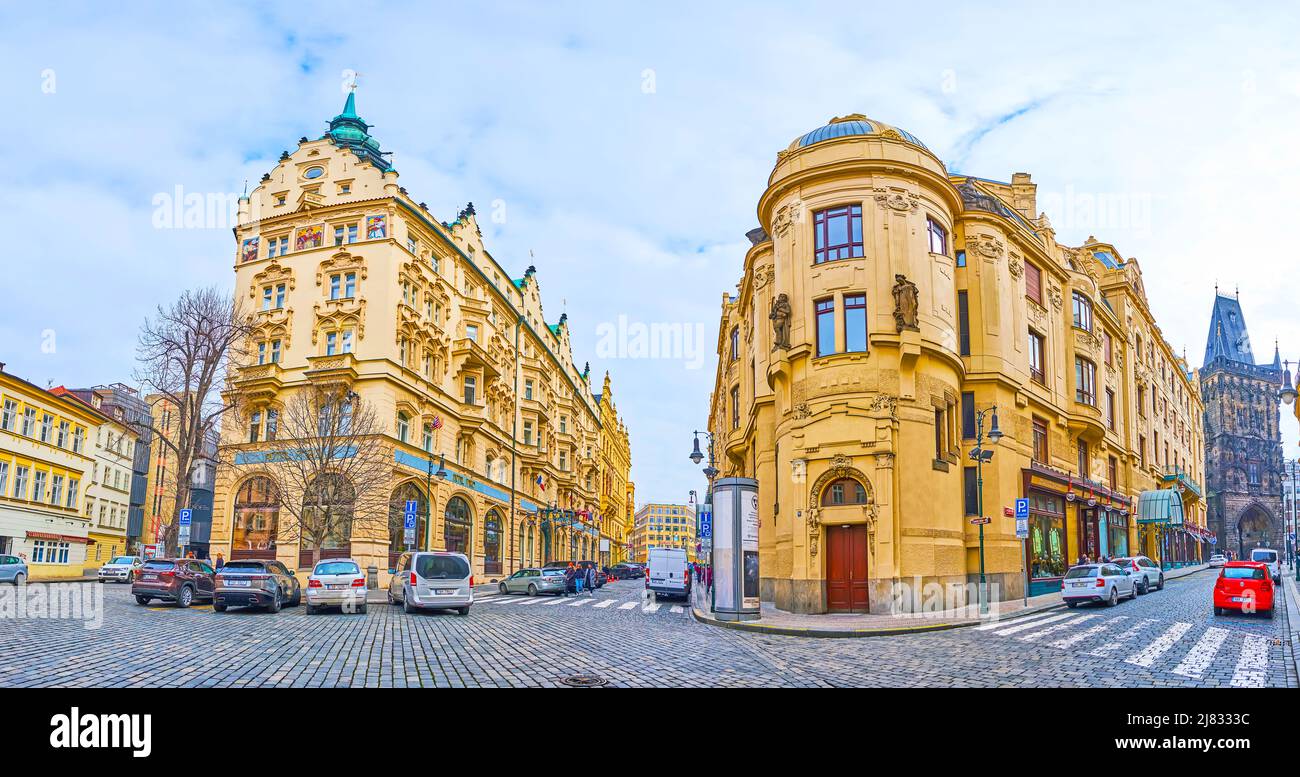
(735, 549)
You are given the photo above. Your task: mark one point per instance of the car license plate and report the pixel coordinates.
(1239, 598)
(148, 577)
(1078, 585)
(238, 583)
(444, 591)
(335, 586)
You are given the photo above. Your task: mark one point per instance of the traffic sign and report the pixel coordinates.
(981, 520)
(1022, 509)
(1022, 528)
(186, 515)
(706, 525)
(412, 506)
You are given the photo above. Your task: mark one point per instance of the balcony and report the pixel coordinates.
(259, 381)
(1177, 475)
(339, 367)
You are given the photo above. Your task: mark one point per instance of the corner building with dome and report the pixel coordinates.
(885, 309)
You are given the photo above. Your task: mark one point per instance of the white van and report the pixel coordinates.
(430, 580)
(668, 572)
(1268, 556)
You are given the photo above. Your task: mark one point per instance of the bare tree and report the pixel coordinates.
(184, 352)
(331, 468)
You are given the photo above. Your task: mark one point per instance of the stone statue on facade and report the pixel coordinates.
(780, 315)
(905, 304)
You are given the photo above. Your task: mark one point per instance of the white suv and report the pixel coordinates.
(1269, 557)
(1146, 573)
(1106, 583)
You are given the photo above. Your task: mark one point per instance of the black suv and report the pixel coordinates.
(256, 583)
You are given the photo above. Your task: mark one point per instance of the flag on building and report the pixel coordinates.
(540, 484)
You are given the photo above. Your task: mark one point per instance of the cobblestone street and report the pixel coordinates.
(1165, 638)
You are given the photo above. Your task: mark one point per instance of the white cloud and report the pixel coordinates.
(635, 204)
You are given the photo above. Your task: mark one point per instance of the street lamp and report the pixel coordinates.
(1288, 391)
(981, 455)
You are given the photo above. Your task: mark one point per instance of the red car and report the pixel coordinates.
(180, 580)
(1244, 586)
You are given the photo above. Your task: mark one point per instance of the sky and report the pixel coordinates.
(625, 145)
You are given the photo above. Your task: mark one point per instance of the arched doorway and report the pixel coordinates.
(1254, 530)
(327, 512)
(407, 492)
(848, 587)
(255, 520)
(492, 543)
(456, 531)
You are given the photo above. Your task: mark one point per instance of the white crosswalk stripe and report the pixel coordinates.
(531, 600)
(1148, 655)
(557, 600)
(1118, 642)
(628, 605)
(1035, 636)
(677, 608)
(1252, 666)
(606, 603)
(1199, 658)
(580, 602)
(651, 607)
(1027, 626)
(1002, 623)
(1074, 639)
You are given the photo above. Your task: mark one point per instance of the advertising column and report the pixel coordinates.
(735, 549)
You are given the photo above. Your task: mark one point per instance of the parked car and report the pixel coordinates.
(1146, 573)
(1218, 560)
(336, 583)
(624, 570)
(668, 573)
(1244, 586)
(1269, 558)
(121, 569)
(432, 580)
(180, 580)
(13, 570)
(534, 581)
(582, 565)
(1105, 583)
(256, 583)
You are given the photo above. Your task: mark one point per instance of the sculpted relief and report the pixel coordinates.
(780, 316)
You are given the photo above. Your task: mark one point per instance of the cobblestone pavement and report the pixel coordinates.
(1165, 638)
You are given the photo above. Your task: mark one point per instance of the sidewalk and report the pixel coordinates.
(848, 625)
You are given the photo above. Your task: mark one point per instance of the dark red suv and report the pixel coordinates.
(180, 580)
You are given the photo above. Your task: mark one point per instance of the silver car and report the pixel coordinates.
(1106, 583)
(13, 570)
(1147, 574)
(121, 569)
(534, 581)
(336, 583)
(428, 580)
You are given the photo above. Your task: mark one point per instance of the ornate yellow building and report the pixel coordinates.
(886, 307)
(615, 467)
(46, 464)
(354, 285)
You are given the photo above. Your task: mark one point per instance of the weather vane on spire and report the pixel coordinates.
(350, 80)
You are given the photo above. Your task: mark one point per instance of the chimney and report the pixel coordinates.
(1024, 195)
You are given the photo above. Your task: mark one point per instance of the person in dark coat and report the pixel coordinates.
(591, 580)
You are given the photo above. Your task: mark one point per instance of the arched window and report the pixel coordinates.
(255, 521)
(327, 510)
(492, 543)
(403, 426)
(845, 491)
(407, 492)
(458, 521)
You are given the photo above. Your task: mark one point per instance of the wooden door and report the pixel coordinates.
(847, 588)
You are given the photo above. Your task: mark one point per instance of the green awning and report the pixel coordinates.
(1163, 506)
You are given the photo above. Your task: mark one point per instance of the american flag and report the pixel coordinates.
(437, 422)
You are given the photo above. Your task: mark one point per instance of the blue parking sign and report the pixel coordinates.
(706, 525)
(1022, 509)
(186, 516)
(410, 521)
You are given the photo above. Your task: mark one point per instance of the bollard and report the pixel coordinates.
(372, 578)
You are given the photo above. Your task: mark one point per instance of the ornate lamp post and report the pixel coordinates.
(429, 475)
(981, 455)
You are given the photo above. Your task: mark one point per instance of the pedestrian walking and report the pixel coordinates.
(570, 579)
(591, 580)
(577, 578)
(221, 560)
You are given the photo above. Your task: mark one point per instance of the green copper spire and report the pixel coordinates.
(350, 130)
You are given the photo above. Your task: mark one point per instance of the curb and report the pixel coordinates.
(892, 631)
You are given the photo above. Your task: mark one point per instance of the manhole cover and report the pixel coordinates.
(583, 681)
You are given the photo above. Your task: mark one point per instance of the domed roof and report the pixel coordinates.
(854, 124)
(350, 131)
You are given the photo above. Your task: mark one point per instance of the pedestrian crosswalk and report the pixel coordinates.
(637, 603)
(1187, 650)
